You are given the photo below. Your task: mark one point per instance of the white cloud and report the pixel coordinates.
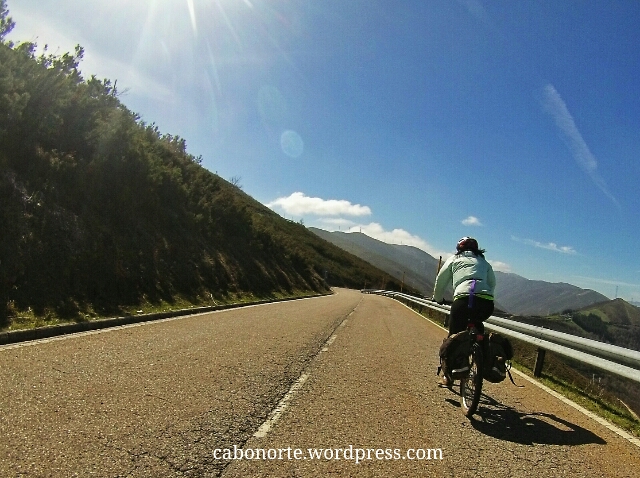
(397, 236)
(550, 246)
(556, 107)
(500, 266)
(471, 221)
(298, 204)
(337, 221)
(608, 282)
(329, 212)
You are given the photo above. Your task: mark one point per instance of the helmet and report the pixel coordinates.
(467, 244)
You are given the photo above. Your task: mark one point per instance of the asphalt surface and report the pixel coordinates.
(350, 376)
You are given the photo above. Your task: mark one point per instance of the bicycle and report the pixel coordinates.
(470, 371)
(471, 382)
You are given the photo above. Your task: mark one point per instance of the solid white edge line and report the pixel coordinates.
(581, 409)
(30, 343)
(610, 426)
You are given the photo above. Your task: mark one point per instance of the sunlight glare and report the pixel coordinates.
(192, 15)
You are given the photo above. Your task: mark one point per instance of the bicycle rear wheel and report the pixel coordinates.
(471, 384)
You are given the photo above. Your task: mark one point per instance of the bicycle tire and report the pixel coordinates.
(471, 384)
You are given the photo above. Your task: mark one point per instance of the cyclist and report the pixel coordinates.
(473, 286)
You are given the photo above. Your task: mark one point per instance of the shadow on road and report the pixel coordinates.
(506, 423)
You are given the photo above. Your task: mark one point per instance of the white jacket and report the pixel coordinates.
(463, 269)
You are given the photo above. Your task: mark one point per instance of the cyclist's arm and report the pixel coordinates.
(491, 279)
(444, 278)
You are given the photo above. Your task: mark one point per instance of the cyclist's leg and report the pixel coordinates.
(458, 319)
(459, 315)
(482, 310)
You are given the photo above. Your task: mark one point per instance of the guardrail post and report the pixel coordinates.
(537, 371)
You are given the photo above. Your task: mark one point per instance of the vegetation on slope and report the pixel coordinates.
(101, 211)
(613, 321)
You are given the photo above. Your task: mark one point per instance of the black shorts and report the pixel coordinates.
(462, 314)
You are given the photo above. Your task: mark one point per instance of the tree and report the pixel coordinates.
(235, 180)
(6, 22)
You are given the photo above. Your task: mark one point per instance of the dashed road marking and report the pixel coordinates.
(282, 405)
(328, 343)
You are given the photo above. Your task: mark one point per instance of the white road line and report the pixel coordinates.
(581, 409)
(284, 402)
(281, 407)
(74, 335)
(328, 343)
(610, 426)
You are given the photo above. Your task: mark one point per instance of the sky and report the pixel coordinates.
(415, 122)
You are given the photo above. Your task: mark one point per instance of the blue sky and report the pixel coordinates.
(416, 122)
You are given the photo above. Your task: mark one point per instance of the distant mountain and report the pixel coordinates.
(514, 293)
(417, 267)
(534, 297)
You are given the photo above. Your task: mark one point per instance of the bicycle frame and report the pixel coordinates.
(471, 383)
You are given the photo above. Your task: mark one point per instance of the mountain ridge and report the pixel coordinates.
(617, 312)
(514, 294)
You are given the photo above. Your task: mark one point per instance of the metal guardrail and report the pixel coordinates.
(611, 358)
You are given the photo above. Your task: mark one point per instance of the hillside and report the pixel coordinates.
(514, 293)
(417, 267)
(533, 297)
(102, 212)
(615, 321)
(612, 321)
(615, 312)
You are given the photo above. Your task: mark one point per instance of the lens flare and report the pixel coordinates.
(291, 143)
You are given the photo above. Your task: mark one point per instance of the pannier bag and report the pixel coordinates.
(454, 355)
(498, 351)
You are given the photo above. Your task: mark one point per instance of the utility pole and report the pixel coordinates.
(402, 284)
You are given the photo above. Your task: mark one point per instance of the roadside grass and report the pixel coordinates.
(22, 319)
(572, 381)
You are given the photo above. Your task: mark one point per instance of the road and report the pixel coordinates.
(349, 376)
